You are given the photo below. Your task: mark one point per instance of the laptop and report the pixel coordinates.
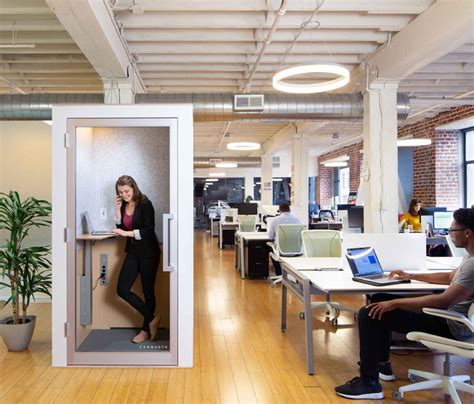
(90, 228)
(366, 267)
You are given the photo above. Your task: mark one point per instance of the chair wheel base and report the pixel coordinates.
(414, 378)
(397, 395)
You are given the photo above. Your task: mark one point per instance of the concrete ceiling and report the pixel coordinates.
(201, 46)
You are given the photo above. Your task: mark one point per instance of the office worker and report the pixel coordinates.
(284, 217)
(389, 313)
(135, 220)
(412, 217)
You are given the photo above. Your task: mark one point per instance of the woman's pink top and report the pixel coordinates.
(127, 221)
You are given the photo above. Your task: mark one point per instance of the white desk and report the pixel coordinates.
(299, 274)
(240, 239)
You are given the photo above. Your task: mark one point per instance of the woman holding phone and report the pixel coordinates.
(135, 220)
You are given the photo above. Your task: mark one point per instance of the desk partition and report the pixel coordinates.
(394, 250)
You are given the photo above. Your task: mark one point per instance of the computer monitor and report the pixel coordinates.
(344, 206)
(355, 216)
(429, 211)
(247, 208)
(442, 220)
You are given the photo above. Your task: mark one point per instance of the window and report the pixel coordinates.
(469, 167)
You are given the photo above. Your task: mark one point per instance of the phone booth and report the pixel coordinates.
(93, 323)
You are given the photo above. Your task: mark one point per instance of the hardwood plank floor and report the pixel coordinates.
(240, 354)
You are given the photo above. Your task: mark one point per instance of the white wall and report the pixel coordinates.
(25, 166)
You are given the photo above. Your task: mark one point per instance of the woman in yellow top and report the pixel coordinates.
(412, 217)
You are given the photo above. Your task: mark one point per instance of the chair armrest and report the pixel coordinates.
(461, 348)
(450, 315)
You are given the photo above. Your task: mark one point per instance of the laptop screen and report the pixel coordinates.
(363, 261)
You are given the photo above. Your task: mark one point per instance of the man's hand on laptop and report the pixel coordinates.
(399, 274)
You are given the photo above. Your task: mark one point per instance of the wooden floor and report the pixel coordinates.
(240, 353)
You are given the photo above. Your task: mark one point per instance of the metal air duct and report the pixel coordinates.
(243, 162)
(208, 107)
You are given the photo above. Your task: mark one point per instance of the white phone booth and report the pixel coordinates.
(93, 145)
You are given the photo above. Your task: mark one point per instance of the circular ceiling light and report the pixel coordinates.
(226, 165)
(243, 146)
(216, 174)
(281, 85)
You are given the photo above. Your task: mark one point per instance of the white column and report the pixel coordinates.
(380, 177)
(267, 179)
(249, 188)
(119, 91)
(299, 176)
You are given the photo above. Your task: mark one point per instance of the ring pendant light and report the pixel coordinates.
(243, 146)
(341, 81)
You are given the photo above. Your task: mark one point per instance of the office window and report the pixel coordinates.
(281, 189)
(469, 167)
(344, 184)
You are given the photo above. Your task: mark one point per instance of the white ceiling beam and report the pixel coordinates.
(442, 28)
(380, 6)
(226, 58)
(73, 60)
(441, 80)
(190, 89)
(36, 38)
(436, 89)
(249, 35)
(42, 49)
(457, 57)
(447, 68)
(92, 27)
(31, 25)
(445, 76)
(192, 20)
(51, 68)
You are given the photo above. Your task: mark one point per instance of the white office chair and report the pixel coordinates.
(288, 243)
(445, 381)
(455, 251)
(325, 243)
(247, 223)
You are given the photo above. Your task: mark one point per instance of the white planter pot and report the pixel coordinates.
(17, 337)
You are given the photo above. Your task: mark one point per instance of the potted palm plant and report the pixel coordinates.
(25, 270)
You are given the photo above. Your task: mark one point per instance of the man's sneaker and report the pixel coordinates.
(385, 371)
(361, 389)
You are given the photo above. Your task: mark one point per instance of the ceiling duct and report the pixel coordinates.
(242, 162)
(208, 107)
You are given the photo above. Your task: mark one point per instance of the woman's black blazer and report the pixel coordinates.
(144, 221)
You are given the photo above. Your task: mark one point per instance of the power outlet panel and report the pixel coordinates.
(103, 213)
(104, 270)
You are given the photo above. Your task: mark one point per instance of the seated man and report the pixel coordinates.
(285, 217)
(389, 313)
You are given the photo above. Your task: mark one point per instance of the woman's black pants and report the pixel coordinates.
(132, 266)
(374, 335)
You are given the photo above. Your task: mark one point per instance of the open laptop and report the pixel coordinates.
(366, 267)
(90, 228)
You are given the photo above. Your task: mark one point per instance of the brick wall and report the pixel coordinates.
(435, 167)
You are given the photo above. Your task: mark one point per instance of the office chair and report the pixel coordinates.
(325, 243)
(455, 251)
(247, 223)
(445, 381)
(288, 243)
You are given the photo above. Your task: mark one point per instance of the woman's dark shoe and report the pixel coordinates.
(154, 324)
(359, 388)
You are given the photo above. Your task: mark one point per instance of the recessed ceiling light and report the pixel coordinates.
(226, 165)
(217, 174)
(277, 179)
(413, 142)
(243, 146)
(335, 164)
(212, 180)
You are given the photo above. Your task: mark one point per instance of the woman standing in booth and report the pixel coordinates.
(135, 220)
(412, 217)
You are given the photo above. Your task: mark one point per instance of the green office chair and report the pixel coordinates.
(288, 243)
(247, 223)
(325, 243)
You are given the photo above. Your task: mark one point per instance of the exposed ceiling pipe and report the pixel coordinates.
(208, 107)
(242, 162)
(280, 13)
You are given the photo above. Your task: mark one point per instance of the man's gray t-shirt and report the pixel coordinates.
(465, 278)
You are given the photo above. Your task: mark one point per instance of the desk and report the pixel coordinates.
(225, 227)
(443, 263)
(85, 287)
(299, 276)
(215, 226)
(243, 239)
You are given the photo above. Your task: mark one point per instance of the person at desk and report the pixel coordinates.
(389, 313)
(135, 220)
(412, 217)
(284, 217)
